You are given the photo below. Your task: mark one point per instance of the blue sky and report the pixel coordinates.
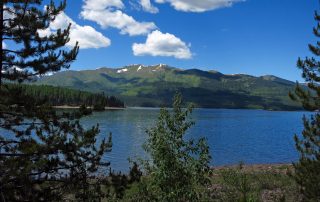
(256, 37)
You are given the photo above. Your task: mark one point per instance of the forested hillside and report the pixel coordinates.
(58, 96)
(154, 86)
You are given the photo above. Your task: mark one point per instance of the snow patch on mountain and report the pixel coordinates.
(122, 70)
(139, 68)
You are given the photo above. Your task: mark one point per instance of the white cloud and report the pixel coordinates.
(102, 4)
(87, 36)
(160, 44)
(199, 5)
(148, 7)
(108, 14)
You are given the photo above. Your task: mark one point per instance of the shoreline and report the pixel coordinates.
(137, 107)
(77, 107)
(151, 108)
(278, 167)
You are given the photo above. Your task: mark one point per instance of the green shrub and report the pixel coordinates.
(179, 167)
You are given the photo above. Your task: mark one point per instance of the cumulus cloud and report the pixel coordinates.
(199, 5)
(108, 13)
(148, 7)
(87, 36)
(117, 19)
(160, 44)
(102, 4)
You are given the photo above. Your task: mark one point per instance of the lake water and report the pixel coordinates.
(251, 136)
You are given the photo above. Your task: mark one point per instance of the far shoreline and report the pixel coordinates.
(77, 107)
(139, 107)
(268, 110)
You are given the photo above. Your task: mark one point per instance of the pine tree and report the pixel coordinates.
(307, 169)
(34, 54)
(45, 155)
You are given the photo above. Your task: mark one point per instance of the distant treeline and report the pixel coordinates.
(58, 96)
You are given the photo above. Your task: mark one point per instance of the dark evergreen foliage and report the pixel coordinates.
(135, 173)
(58, 96)
(45, 155)
(120, 184)
(34, 55)
(307, 169)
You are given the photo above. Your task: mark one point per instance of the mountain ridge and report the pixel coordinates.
(165, 65)
(140, 85)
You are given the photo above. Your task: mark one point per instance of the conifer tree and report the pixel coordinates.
(307, 169)
(32, 54)
(45, 155)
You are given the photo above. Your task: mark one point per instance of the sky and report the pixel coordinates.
(256, 37)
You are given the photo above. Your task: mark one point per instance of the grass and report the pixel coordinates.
(253, 183)
(241, 183)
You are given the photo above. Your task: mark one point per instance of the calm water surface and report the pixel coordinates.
(251, 136)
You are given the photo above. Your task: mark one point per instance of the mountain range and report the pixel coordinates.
(154, 86)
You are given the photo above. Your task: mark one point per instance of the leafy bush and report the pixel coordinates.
(179, 167)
